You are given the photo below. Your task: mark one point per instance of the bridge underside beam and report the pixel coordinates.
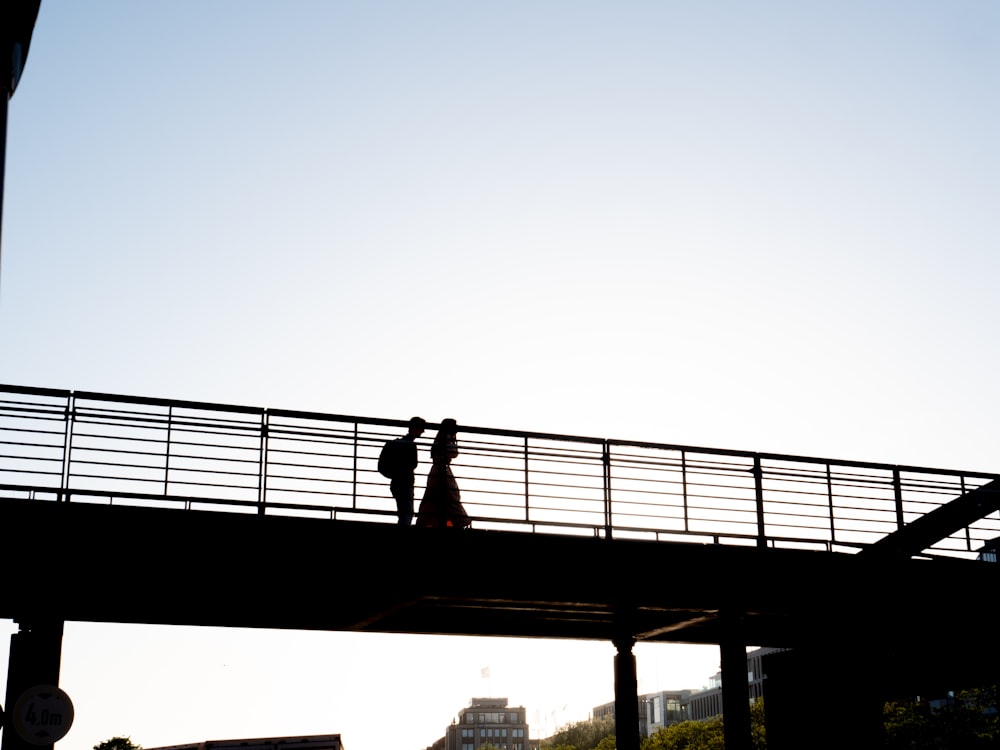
(143, 565)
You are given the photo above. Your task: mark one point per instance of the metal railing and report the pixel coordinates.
(82, 447)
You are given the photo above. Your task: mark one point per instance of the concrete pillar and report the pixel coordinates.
(735, 693)
(626, 697)
(35, 657)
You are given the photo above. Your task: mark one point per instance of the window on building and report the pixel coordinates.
(468, 732)
(674, 710)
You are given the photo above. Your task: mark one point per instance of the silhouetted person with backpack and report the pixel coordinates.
(398, 461)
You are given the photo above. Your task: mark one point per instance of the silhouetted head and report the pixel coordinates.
(417, 425)
(449, 426)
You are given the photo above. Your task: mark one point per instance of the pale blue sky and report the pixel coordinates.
(768, 226)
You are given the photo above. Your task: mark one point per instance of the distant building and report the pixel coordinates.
(707, 703)
(667, 707)
(488, 721)
(607, 711)
(656, 710)
(988, 552)
(309, 742)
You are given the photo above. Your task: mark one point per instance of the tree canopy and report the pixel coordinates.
(687, 735)
(968, 719)
(118, 743)
(581, 735)
(705, 735)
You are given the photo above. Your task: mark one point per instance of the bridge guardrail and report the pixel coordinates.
(67, 446)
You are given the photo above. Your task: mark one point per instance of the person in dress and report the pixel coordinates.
(442, 502)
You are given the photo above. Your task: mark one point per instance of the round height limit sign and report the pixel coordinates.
(42, 715)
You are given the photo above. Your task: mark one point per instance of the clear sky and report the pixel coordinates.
(768, 226)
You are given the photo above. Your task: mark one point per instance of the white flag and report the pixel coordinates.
(486, 671)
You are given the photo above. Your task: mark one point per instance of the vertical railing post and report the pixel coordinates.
(262, 469)
(166, 451)
(968, 530)
(897, 488)
(67, 448)
(829, 505)
(684, 490)
(527, 490)
(354, 471)
(758, 480)
(606, 461)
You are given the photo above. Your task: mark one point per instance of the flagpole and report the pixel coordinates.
(485, 673)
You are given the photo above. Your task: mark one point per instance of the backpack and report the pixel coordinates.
(390, 458)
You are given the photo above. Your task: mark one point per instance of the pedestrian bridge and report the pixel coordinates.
(102, 449)
(132, 509)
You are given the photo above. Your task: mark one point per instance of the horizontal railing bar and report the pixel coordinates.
(30, 390)
(150, 401)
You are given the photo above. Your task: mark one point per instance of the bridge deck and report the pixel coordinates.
(102, 563)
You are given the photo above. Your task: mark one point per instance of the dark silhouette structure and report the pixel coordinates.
(405, 459)
(901, 616)
(442, 504)
(17, 23)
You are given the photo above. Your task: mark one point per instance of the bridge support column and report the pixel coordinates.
(832, 686)
(35, 657)
(735, 694)
(626, 696)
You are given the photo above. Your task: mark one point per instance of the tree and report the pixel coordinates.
(705, 735)
(907, 724)
(118, 743)
(688, 735)
(967, 719)
(581, 735)
(975, 712)
(758, 736)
